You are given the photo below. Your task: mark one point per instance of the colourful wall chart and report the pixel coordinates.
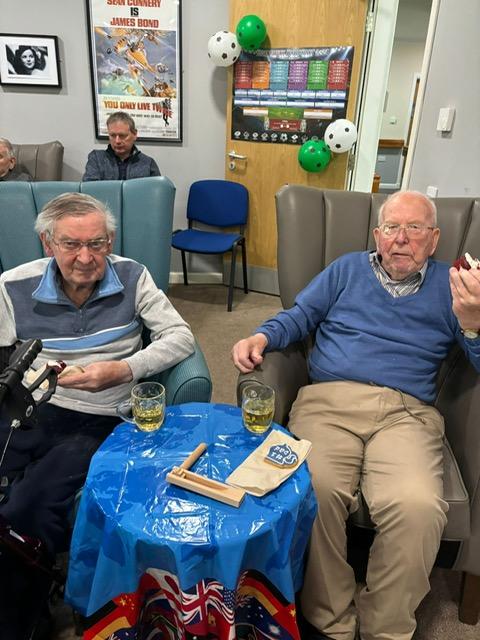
(289, 95)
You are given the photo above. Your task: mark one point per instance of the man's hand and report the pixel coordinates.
(465, 288)
(247, 353)
(98, 376)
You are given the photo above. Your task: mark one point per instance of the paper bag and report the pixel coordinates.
(270, 464)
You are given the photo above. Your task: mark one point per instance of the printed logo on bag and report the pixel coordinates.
(281, 455)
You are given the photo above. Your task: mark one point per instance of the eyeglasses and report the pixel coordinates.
(99, 245)
(411, 230)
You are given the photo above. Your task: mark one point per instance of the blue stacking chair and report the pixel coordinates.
(220, 204)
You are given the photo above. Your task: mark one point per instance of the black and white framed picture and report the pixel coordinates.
(29, 60)
(135, 56)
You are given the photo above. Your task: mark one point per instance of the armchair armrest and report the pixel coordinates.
(286, 371)
(458, 401)
(188, 381)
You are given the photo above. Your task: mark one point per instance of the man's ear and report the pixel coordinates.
(435, 239)
(112, 240)
(47, 247)
(12, 164)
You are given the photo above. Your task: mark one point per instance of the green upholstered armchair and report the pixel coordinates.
(143, 209)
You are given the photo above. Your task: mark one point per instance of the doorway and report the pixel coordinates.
(401, 97)
(388, 115)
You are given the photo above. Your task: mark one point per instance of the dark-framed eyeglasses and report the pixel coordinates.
(97, 245)
(412, 230)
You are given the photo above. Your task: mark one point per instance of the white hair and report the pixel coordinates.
(429, 204)
(72, 204)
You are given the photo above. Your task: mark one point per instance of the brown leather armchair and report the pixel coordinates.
(42, 161)
(314, 228)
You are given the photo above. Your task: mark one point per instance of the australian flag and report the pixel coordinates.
(161, 610)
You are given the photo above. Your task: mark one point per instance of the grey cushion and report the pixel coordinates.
(42, 161)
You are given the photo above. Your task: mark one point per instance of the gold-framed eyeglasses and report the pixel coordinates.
(97, 245)
(411, 230)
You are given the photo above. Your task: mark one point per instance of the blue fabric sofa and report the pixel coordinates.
(143, 208)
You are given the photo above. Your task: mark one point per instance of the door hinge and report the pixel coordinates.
(369, 22)
(351, 162)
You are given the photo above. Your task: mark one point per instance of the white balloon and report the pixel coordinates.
(223, 48)
(340, 135)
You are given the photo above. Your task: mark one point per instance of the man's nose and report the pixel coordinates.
(84, 255)
(402, 236)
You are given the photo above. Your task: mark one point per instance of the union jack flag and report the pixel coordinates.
(201, 609)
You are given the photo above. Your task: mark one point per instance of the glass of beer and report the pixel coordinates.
(146, 407)
(258, 407)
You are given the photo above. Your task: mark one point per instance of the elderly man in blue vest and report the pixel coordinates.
(89, 308)
(383, 322)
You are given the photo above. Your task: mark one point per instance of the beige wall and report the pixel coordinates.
(406, 61)
(450, 161)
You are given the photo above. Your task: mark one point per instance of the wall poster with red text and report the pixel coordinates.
(135, 56)
(289, 95)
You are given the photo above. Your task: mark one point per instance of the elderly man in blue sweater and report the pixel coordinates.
(383, 322)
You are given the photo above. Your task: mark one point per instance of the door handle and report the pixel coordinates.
(237, 156)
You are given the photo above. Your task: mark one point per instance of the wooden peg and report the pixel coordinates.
(181, 477)
(194, 456)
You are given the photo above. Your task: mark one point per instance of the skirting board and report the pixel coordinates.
(260, 279)
(176, 277)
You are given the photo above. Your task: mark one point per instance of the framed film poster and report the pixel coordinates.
(135, 57)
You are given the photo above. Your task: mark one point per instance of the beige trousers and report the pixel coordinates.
(388, 445)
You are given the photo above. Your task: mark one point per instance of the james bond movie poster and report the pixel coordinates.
(136, 65)
(289, 95)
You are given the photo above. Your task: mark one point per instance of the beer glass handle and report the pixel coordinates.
(124, 410)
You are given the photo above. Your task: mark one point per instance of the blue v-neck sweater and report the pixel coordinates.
(366, 335)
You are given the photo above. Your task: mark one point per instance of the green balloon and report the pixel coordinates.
(314, 156)
(251, 32)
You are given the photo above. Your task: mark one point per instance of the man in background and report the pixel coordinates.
(8, 164)
(122, 160)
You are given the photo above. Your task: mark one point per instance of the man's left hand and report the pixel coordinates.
(465, 288)
(98, 376)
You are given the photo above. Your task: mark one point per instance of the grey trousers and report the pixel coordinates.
(388, 445)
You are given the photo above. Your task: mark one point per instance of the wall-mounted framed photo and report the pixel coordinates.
(30, 60)
(135, 60)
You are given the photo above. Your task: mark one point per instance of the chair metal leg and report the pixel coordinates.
(244, 266)
(184, 265)
(232, 277)
(469, 608)
(78, 623)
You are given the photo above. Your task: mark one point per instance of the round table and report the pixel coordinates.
(145, 552)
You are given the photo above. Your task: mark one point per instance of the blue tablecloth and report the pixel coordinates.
(130, 519)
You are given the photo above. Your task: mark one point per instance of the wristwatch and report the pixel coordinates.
(471, 334)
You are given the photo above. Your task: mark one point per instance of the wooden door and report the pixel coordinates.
(293, 24)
